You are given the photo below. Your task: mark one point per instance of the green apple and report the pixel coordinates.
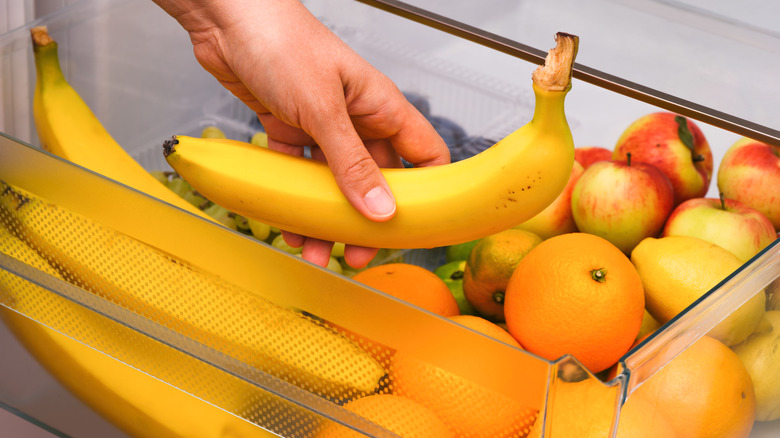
(452, 274)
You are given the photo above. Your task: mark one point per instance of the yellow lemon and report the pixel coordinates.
(761, 355)
(677, 270)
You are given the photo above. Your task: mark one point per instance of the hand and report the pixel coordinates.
(309, 88)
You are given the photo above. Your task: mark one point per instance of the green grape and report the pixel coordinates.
(260, 230)
(279, 243)
(221, 214)
(334, 265)
(160, 175)
(242, 223)
(338, 250)
(260, 139)
(212, 131)
(196, 199)
(179, 186)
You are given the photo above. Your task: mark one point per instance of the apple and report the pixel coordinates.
(725, 222)
(556, 218)
(750, 173)
(622, 201)
(587, 155)
(673, 144)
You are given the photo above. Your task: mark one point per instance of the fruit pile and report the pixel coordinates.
(630, 243)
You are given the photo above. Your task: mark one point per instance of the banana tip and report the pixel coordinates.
(169, 146)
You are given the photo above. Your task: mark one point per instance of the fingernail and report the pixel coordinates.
(379, 202)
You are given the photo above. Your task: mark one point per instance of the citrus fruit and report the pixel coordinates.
(649, 325)
(452, 274)
(467, 408)
(413, 284)
(397, 414)
(586, 409)
(678, 270)
(575, 294)
(705, 391)
(489, 266)
(761, 355)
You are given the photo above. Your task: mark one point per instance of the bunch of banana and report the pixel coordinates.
(69, 129)
(136, 402)
(436, 206)
(201, 306)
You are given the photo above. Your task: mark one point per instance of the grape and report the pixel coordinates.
(160, 175)
(260, 230)
(179, 186)
(212, 131)
(279, 243)
(221, 214)
(259, 139)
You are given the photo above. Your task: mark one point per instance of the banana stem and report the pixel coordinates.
(555, 74)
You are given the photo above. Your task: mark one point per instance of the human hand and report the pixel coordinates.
(309, 88)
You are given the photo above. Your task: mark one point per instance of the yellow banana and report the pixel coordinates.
(171, 292)
(69, 129)
(436, 206)
(136, 402)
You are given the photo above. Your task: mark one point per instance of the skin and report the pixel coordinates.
(309, 88)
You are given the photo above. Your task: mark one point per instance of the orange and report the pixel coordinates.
(489, 266)
(586, 409)
(397, 414)
(705, 391)
(413, 284)
(575, 294)
(469, 409)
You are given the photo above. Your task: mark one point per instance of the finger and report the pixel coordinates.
(356, 173)
(317, 251)
(359, 256)
(418, 142)
(380, 150)
(292, 239)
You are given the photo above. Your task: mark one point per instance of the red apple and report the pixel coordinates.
(673, 144)
(725, 222)
(587, 155)
(622, 201)
(750, 173)
(556, 218)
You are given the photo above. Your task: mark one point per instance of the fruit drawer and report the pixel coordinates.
(140, 318)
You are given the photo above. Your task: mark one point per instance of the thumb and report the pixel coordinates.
(356, 173)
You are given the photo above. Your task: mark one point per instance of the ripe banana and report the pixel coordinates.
(436, 206)
(69, 129)
(167, 290)
(136, 402)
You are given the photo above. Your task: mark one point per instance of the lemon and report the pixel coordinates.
(677, 270)
(761, 355)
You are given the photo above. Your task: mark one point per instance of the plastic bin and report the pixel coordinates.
(134, 66)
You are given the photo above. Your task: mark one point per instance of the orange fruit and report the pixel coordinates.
(586, 409)
(575, 294)
(705, 391)
(397, 414)
(413, 284)
(467, 408)
(489, 266)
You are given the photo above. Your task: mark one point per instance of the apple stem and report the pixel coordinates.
(722, 200)
(628, 159)
(600, 275)
(498, 297)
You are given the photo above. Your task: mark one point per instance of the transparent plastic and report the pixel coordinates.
(141, 78)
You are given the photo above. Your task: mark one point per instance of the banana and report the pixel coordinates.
(167, 290)
(49, 325)
(436, 206)
(68, 128)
